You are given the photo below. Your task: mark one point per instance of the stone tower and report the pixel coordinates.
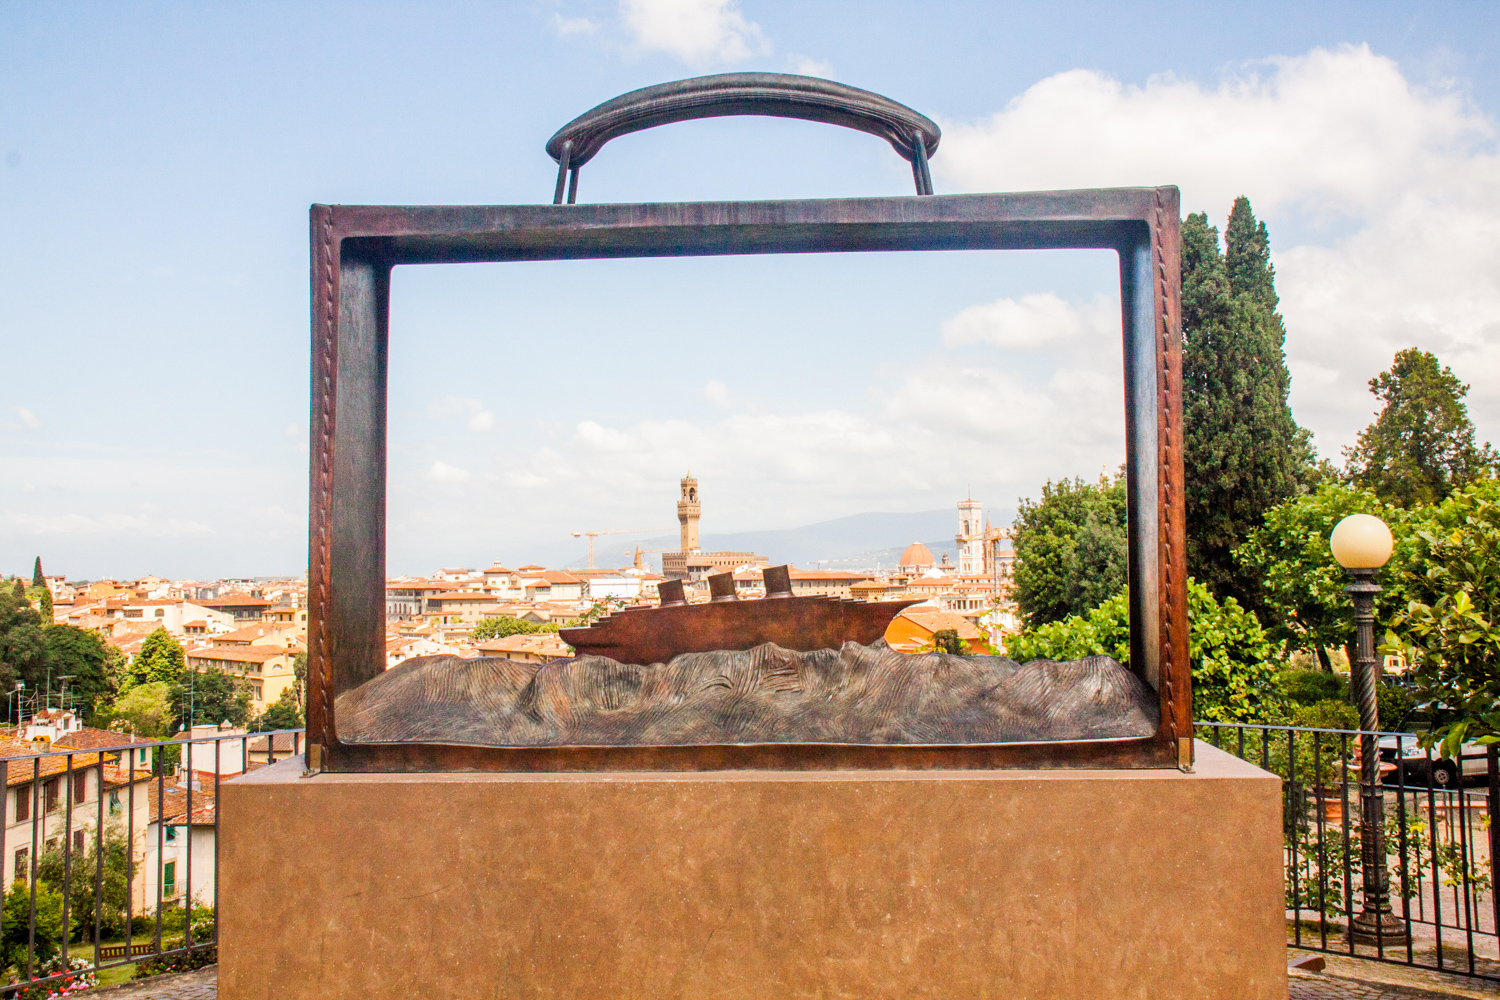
(688, 510)
(970, 538)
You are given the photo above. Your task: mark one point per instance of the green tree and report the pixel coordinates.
(82, 656)
(286, 713)
(23, 644)
(1233, 670)
(144, 710)
(37, 579)
(209, 697)
(46, 612)
(1318, 699)
(160, 659)
(15, 924)
(498, 628)
(84, 880)
(1450, 631)
(1302, 584)
(299, 677)
(1243, 452)
(946, 640)
(1071, 549)
(1421, 446)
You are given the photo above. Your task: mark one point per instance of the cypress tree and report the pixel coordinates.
(1243, 452)
(37, 579)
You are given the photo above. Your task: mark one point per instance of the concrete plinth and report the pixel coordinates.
(750, 885)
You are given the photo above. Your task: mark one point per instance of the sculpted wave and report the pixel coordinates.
(857, 694)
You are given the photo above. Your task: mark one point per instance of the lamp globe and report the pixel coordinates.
(1361, 541)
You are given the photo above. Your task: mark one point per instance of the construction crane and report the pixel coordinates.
(640, 552)
(591, 535)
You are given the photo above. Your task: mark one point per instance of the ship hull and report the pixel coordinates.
(655, 635)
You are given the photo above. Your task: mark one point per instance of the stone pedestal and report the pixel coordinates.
(749, 885)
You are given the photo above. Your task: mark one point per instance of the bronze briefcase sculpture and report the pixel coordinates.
(777, 694)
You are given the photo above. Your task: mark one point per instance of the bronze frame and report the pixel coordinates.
(354, 249)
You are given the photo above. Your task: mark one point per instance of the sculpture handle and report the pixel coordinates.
(778, 95)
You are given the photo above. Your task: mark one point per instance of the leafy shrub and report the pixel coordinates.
(1308, 687)
(1233, 675)
(17, 924)
(184, 961)
(1450, 631)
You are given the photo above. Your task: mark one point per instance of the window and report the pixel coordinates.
(161, 612)
(133, 613)
(77, 841)
(143, 756)
(114, 803)
(52, 791)
(169, 878)
(23, 803)
(80, 786)
(171, 833)
(23, 863)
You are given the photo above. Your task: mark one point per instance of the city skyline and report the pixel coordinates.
(155, 416)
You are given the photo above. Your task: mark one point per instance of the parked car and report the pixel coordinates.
(1442, 772)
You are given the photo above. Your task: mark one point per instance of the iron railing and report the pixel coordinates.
(80, 833)
(1437, 843)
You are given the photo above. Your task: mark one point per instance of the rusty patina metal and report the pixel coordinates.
(655, 635)
(354, 249)
(775, 95)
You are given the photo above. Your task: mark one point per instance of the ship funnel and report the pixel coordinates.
(721, 587)
(672, 594)
(778, 581)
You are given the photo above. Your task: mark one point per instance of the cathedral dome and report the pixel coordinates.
(917, 556)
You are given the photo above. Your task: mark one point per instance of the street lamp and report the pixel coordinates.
(1362, 544)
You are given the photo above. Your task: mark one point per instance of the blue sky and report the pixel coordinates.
(157, 162)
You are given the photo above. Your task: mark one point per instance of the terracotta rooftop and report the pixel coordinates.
(936, 619)
(89, 738)
(538, 644)
(23, 771)
(238, 654)
(174, 806)
(250, 633)
(230, 601)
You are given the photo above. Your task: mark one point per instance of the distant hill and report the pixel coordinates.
(859, 541)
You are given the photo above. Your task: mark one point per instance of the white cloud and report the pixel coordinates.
(442, 472)
(1033, 321)
(1334, 140)
(573, 25)
(472, 411)
(111, 525)
(717, 393)
(979, 412)
(698, 32)
(28, 420)
(808, 66)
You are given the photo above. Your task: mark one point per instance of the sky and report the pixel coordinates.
(157, 161)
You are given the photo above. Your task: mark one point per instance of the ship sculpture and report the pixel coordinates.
(656, 635)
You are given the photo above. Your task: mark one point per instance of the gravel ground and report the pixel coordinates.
(1342, 979)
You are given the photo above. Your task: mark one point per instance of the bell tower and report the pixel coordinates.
(688, 510)
(970, 537)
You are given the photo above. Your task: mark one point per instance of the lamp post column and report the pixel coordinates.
(1375, 923)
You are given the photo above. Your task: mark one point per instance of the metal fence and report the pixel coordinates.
(99, 854)
(100, 867)
(1437, 843)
